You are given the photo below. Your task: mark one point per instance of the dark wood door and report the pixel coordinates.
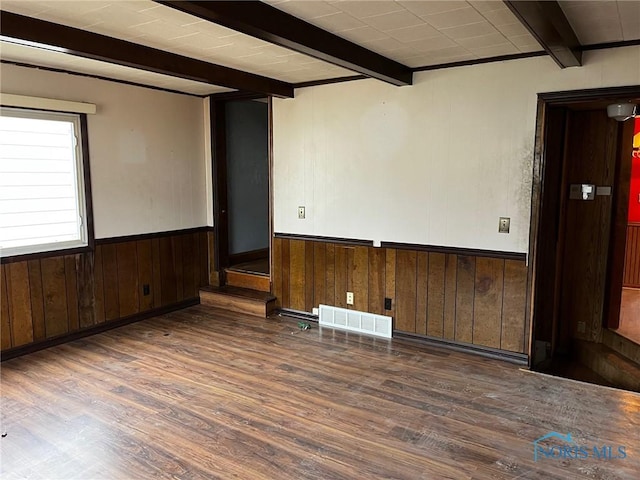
(585, 226)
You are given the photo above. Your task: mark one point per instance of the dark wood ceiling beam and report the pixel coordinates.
(108, 49)
(546, 21)
(280, 28)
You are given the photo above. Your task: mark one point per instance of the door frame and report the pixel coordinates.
(218, 134)
(544, 190)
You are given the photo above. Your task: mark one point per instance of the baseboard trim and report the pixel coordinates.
(103, 327)
(488, 352)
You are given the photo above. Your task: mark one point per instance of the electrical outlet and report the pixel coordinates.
(349, 298)
(145, 289)
(582, 327)
(301, 212)
(504, 225)
(387, 304)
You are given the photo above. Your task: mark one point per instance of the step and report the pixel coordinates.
(609, 364)
(239, 300)
(621, 344)
(251, 281)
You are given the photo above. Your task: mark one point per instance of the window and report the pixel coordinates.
(42, 191)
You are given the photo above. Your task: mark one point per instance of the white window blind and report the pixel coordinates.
(42, 202)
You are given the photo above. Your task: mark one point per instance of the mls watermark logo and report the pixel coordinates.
(556, 446)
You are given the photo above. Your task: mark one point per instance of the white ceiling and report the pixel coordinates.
(416, 33)
(420, 33)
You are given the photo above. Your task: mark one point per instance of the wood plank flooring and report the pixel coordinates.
(203, 394)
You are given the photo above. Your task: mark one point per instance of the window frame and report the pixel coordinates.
(83, 163)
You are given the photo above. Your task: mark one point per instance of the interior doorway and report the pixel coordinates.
(578, 235)
(242, 193)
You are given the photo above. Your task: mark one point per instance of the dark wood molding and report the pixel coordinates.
(237, 95)
(329, 81)
(152, 235)
(103, 327)
(38, 255)
(479, 61)
(568, 97)
(316, 238)
(218, 123)
(603, 46)
(280, 28)
(108, 49)
(488, 352)
(98, 77)
(546, 21)
(471, 252)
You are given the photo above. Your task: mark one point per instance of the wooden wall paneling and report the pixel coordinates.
(144, 255)
(487, 306)
(276, 270)
(5, 321)
(54, 287)
(86, 290)
(99, 285)
(632, 257)
(111, 287)
(127, 278)
(450, 286)
(422, 291)
(71, 276)
(190, 261)
(297, 274)
(330, 277)
(178, 265)
(360, 278)
(168, 281)
(514, 304)
(286, 277)
(37, 300)
(205, 257)
(308, 276)
(390, 282)
(465, 297)
(341, 275)
(435, 306)
(376, 286)
(19, 303)
(406, 266)
(156, 285)
(319, 273)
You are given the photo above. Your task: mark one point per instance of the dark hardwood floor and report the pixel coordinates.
(201, 394)
(630, 314)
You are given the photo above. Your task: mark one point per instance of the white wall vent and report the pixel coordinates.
(355, 321)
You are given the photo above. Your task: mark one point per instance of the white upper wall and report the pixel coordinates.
(435, 163)
(146, 147)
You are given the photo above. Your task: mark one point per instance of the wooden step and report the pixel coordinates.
(625, 347)
(251, 281)
(240, 300)
(609, 364)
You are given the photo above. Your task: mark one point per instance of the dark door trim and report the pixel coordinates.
(219, 153)
(544, 190)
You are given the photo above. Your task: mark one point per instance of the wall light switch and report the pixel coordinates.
(504, 225)
(300, 212)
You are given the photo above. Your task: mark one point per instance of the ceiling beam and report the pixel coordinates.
(108, 49)
(280, 28)
(546, 21)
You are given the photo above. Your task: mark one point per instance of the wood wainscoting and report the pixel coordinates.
(50, 298)
(472, 299)
(632, 257)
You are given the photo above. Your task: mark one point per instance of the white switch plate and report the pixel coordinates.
(349, 298)
(301, 212)
(504, 225)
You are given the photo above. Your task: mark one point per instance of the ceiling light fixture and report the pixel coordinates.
(621, 111)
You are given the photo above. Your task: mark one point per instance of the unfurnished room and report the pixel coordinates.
(319, 239)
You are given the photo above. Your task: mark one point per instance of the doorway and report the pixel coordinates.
(578, 235)
(242, 206)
